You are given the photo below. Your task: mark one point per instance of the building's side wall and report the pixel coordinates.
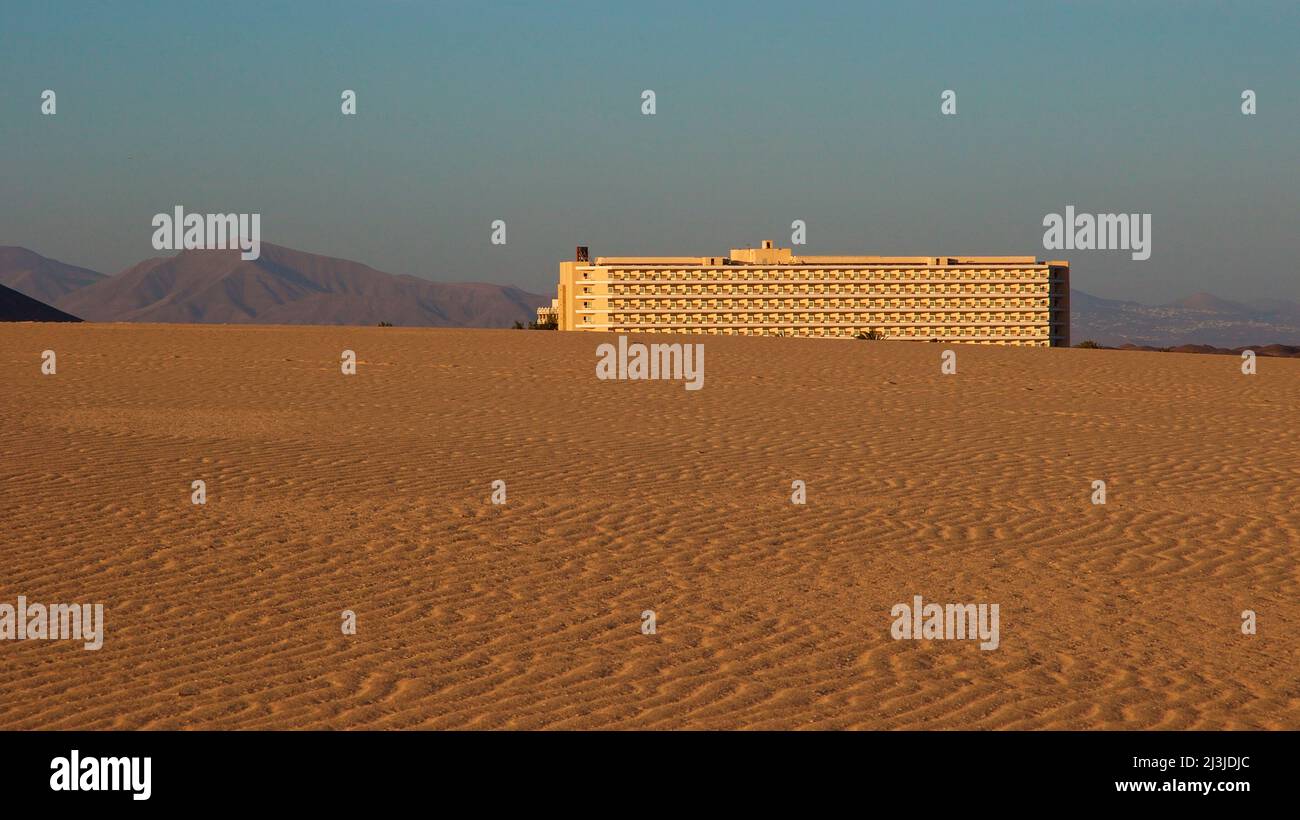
(1061, 304)
(565, 293)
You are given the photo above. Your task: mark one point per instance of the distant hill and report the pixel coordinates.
(1283, 351)
(285, 286)
(1279, 306)
(42, 278)
(19, 307)
(1200, 319)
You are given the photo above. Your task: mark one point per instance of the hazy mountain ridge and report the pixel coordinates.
(41, 278)
(283, 286)
(1199, 319)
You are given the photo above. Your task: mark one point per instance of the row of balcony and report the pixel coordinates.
(800, 275)
(1009, 334)
(822, 289)
(1040, 321)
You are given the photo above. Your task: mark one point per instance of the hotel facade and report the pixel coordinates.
(768, 291)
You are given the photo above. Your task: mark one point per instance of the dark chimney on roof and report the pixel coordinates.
(582, 253)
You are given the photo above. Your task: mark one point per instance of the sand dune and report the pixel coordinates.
(371, 493)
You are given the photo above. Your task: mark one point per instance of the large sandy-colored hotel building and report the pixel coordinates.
(769, 291)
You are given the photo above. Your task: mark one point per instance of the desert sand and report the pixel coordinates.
(371, 493)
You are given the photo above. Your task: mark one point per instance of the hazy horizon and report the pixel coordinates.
(765, 114)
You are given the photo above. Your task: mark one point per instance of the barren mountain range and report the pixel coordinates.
(1200, 319)
(286, 286)
(282, 286)
(39, 277)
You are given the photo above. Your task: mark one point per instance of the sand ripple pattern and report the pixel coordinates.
(371, 493)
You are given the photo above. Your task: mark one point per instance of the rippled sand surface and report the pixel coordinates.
(371, 493)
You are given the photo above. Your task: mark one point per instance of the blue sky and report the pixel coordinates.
(766, 113)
